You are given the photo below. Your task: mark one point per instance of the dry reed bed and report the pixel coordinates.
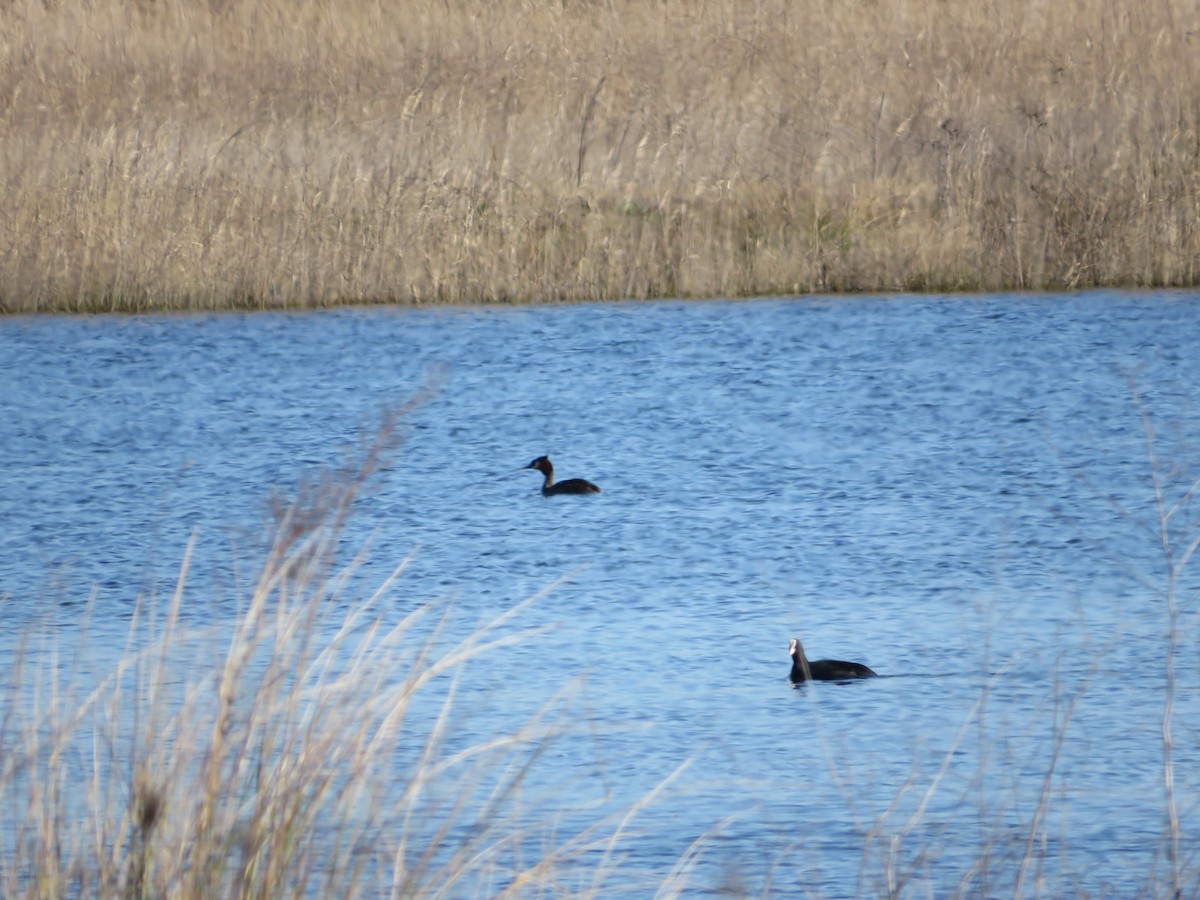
(217, 153)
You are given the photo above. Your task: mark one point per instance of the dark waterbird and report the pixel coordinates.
(570, 486)
(804, 669)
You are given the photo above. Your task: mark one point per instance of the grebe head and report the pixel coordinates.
(800, 668)
(542, 464)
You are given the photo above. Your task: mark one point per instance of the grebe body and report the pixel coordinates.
(570, 486)
(804, 669)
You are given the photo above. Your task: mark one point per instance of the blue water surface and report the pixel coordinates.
(958, 492)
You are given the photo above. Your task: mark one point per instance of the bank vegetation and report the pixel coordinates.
(197, 154)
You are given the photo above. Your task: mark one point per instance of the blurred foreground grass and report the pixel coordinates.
(307, 746)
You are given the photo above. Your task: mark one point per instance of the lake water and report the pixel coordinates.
(955, 491)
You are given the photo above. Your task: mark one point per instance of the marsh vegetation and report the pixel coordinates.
(262, 153)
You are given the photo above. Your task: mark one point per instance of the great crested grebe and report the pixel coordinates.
(804, 669)
(570, 486)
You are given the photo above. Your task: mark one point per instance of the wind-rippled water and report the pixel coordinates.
(956, 492)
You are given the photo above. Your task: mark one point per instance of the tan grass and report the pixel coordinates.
(262, 153)
(271, 769)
